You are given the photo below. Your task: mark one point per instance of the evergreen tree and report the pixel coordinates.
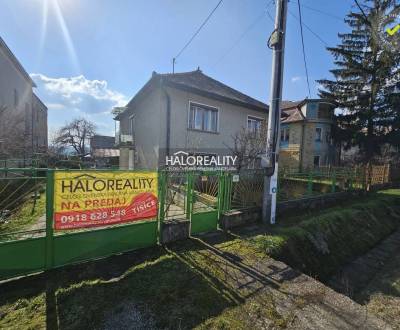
(366, 84)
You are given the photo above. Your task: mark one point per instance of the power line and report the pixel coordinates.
(304, 52)
(238, 40)
(323, 12)
(362, 11)
(246, 31)
(309, 29)
(195, 34)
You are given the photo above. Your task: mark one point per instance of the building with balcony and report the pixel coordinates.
(306, 134)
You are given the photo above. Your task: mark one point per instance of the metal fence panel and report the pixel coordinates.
(83, 246)
(22, 257)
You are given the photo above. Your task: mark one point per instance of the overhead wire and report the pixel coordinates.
(303, 48)
(246, 31)
(323, 12)
(197, 31)
(310, 30)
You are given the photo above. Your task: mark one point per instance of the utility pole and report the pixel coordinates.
(277, 44)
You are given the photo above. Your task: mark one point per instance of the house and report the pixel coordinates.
(103, 151)
(191, 111)
(23, 117)
(183, 111)
(305, 140)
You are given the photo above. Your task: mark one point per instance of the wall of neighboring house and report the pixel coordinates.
(16, 97)
(40, 139)
(304, 150)
(289, 154)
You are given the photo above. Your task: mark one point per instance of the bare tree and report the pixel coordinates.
(249, 146)
(12, 133)
(76, 135)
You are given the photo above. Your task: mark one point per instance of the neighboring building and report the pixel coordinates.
(189, 111)
(39, 125)
(23, 117)
(103, 151)
(306, 139)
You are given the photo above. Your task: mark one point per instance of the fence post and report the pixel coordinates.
(189, 195)
(310, 183)
(333, 182)
(221, 193)
(386, 173)
(228, 198)
(161, 195)
(49, 261)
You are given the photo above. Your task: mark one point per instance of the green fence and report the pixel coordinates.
(28, 242)
(315, 182)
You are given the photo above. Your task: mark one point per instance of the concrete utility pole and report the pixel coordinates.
(277, 44)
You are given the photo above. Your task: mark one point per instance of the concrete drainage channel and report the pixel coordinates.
(356, 275)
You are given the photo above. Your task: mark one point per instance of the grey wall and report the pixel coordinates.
(150, 125)
(149, 130)
(12, 79)
(40, 139)
(231, 119)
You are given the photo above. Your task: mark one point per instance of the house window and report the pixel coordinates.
(203, 118)
(254, 124)
(318, 134)
(316, 161)
(285, 133)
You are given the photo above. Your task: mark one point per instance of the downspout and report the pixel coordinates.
(168, 120)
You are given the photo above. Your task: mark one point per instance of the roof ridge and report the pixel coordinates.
(231, 88)
(16, 62)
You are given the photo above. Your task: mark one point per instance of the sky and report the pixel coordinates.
(87, 56)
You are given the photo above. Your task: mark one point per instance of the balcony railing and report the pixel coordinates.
(123, 139)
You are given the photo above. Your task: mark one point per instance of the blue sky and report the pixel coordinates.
(87, 56)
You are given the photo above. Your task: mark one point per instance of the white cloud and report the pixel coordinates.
(67, 98)
(295, 79)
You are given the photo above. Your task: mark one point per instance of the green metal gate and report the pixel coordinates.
(204, 195)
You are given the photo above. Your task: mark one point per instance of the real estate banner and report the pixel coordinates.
(97, 198)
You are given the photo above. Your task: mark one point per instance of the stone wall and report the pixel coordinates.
(233, 219)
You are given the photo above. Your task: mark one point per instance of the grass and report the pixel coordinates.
(182, 286)
(26, 215)
(319, 244)
(189, 285)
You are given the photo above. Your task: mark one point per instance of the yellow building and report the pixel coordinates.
(306, 134)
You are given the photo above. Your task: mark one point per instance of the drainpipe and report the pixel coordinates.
(168, 121)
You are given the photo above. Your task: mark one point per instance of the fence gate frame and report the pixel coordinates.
(204, 218)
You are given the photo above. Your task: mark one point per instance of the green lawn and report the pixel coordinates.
(25, 216)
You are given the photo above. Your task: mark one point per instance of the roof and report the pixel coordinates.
(291, 110)
(39, 101)
(199, 83)
(102, 142)
(15, 61)
(290, 104)
(291, 115)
